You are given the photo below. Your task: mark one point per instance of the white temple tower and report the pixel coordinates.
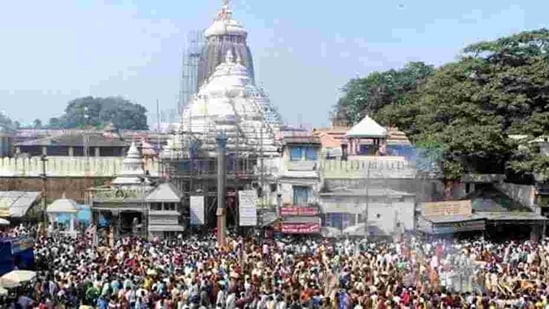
(227, 103)
(132, 172)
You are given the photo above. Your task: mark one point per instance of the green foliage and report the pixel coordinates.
(99, 112)
(37, 124)
(469, 107)
(368, 95)
(7, 124)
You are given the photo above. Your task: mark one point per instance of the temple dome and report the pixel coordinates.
(225, 103)
(224, 24)
(225, 27)
(224, 34)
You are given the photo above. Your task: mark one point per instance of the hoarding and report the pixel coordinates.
(197, 210)
(300, 228)
(298, 211)
(247, 208)
(447, 208)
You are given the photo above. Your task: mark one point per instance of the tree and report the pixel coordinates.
(471, 106)
(362, 96)
(37, 123)
(98, 112)
(6, 123)
(466, 110)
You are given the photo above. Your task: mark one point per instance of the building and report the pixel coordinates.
(227, 35)
(388, 212)
(298, 185)
(6, 142)
(227, 102)
(487, 211)
(224, 35)
(165, 211)
(364, 187)
(134, 205)
(75, 144)
(121, 207)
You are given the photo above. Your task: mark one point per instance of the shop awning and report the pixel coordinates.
(15, 204)
(451, 224)
(165, 228)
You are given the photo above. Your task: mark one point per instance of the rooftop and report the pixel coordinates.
(165, 192)
(301, 140)
(94, 139)
(367, 128)
(16, 203)
(373, 192)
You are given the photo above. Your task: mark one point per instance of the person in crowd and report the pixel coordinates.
(194, 272)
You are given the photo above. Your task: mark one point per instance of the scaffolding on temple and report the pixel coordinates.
(189, 70)
(194, 168)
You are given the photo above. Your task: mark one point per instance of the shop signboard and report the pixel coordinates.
(197, 210)
(298, 211)
(247, 207)
(300, 228)
(447, 208)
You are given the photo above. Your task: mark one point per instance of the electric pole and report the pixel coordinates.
(44, 177)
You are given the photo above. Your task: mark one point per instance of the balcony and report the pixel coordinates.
(305, 166)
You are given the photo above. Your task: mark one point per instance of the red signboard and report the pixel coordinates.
(298, 211)
(300, 228)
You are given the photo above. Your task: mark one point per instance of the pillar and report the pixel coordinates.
(71, 151)
(97, 151)
(71, 223)
(221, 140)
(44, 150)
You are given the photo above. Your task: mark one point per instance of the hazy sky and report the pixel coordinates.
(304, 51)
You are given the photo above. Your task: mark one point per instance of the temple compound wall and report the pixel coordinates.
(69, 167)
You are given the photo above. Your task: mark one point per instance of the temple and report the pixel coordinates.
(227, 103)
(228, 35)
(225, 34)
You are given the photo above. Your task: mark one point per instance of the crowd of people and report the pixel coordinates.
(193, 272)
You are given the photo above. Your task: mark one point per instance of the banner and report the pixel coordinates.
(298, 211)
(21, 244)
(247, 208)
(447, 208)
(197, 210)
(300, 228)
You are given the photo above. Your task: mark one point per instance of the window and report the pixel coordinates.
(311, 154)
(169, 206)
(156, 206)
(296, 153)
(301, 195)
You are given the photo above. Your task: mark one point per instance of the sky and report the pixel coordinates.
(304, 51)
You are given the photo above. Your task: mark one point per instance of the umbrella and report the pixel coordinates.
(15, 277)
(4, 221)
(330, 232)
